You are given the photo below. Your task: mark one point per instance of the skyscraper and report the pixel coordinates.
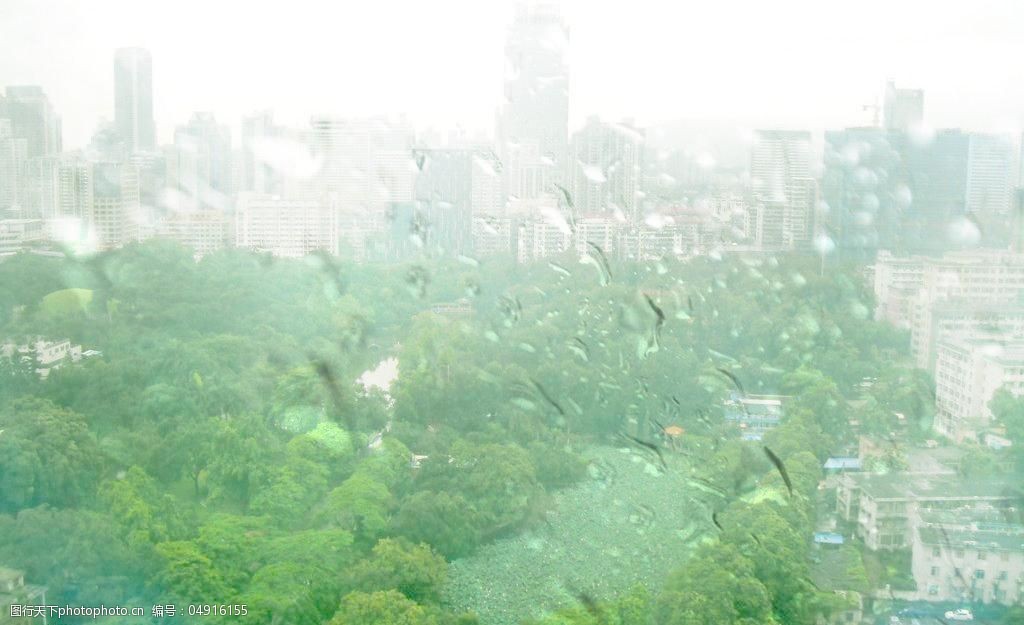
(989, 175)
(112, 208)
(935, 172)
(533, 128)
(203, 153)
(365, 164)
(605, 170)
(903, 108)
(863, 190)
(259, 135)
(12, 159)
(781, 181)
(133, 99)
(32, 119)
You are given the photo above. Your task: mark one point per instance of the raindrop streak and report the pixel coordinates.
(781, 467)
(600, 262)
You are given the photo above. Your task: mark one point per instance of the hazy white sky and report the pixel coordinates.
(809, 63)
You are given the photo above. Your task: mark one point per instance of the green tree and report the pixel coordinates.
(388, 607)
(445, 521)
(359, 505)
(47, 455)
(414, 570)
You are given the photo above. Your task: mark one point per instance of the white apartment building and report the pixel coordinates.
(43, 355)
(645, 243)
(968, 371)
(286, 228)
(203, 231)
(964, 318)
(968, 557)
(883, 506)
(897, 281)
(17, 234)
(112, 205)
(492, 235)
(540, 239)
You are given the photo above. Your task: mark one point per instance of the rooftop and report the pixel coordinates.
(966, 539)
(932, 487)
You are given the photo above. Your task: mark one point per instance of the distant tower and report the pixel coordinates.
(903, 108)
(533, 124)
(32, 119)
(203, 168)
(990, 175)
(133, 99)
(605, 170)
(782, 183)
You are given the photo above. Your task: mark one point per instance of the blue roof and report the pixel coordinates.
(843, 463)
(828, 538)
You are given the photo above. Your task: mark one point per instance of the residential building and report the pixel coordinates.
(15, 592)
(960, 318)
(540, 239)
(754, 415)
(907, 287)
(18, 234)
(492, 235)
(882, 506)
(112, 209)
(968, 372)
(968, 557)
(203, 231)
(897, 281)
(287, 228)
(42, 355)
(60, 184)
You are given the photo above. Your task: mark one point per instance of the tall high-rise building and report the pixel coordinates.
(62, 184)
(533, 126)
(605, 168)
(783, 187)
(989, 175)
(12, 160)
(203, 168)
(133, 99)
(861, 189)
(935, 172)
(889, 189)
(32, 119)
(903, 109)
(287, 228)
(444, 193)
(260, 137)
(112, 210)
(365, 164)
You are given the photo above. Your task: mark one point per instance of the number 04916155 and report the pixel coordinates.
(217, 610)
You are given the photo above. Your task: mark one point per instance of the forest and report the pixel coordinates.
(218, 450)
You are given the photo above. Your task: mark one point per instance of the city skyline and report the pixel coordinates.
(441, 74)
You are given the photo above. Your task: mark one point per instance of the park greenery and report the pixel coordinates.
(220, 451)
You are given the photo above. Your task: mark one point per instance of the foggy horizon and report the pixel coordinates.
(787, 66)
